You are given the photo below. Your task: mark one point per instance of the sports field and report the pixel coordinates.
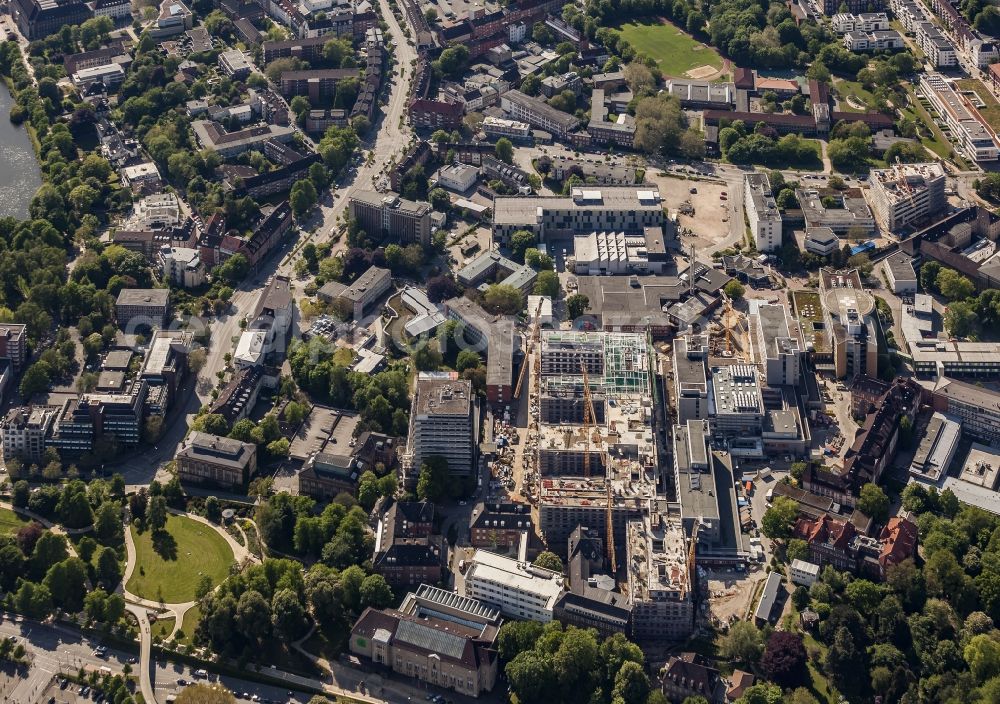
(677, 53)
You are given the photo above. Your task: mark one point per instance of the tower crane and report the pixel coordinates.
(589, 424)
(531, 348)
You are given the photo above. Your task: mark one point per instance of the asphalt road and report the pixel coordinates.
(58, 649)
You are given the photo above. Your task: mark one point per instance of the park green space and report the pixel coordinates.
(676, 52)
(10, 521)
(170, 563)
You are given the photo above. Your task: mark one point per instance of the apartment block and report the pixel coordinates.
(216, 461)
(538, 113)
(905, 194)
(940, 51)
(969, 131)
(762, 212)
(388, 215)
(885, 40)
(182, 266)
(317, 85)
(13, 344)
(845, 22)
(24, 431)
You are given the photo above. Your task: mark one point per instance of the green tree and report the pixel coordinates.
(960, 320)
(576, 305)
(779, 518)
(504, 150)
(375, 592)
(288, 617)
(954, 286)
(433, 480)
(734, 289)
(157, 513)
(929, 271)
(743, 643)
(547, 284)
(503, 298)
(467, 359)
(631, 684)
(549, 561)
(983, 657)
(873, 502)
(520, 241)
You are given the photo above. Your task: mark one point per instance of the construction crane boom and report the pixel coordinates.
(531, 347)
(589, 419)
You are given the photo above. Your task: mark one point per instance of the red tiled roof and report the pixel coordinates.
(899, 541)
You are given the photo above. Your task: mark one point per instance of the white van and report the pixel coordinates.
(769, 495)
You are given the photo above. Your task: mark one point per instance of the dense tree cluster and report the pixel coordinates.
(547, 664)
(41, 572)
(763, 146)
(382, 399)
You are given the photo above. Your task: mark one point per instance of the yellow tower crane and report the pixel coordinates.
(589, 425)
(533, 338)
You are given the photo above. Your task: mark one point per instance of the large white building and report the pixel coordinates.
(845, 22)
(587, 209)
(519, 589)
(940, 50)
(777, 344)
(24, 430)
(762, 212)
(968, 130)
(906, 193)
(182, 266)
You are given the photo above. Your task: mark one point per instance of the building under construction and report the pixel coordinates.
(596, 455)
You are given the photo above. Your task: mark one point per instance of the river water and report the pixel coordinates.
(20, 176)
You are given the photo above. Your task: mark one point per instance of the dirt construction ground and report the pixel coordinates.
(710, 224)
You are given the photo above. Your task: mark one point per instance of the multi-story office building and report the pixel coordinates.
(73, 432)
(849, 320)
(13, 344)
(690, 378)
(736, 401)
(388, 215)
(520, 590)
(24, 432)
(848, 214)
(537, 112)
(777, 345)
(694, 480)
(142, 306)
(906, 193)
(435, 636)
(212, 135)
(977, 408)
(38, 19)
(899, 271)
(216, 461)
(627, 209)
(365, 291)
(499, 525)
(762, 212)
(969, 131)
(119, 414)
(443, 422)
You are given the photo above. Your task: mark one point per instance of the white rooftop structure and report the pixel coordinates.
(518, 589)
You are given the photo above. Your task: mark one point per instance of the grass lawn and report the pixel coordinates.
(162, 628)
(171, 563)
(819, 686)
(191, 618)
(990, 113)
(861, 95)
(10, 522)
(937, 142)
(675, 51)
